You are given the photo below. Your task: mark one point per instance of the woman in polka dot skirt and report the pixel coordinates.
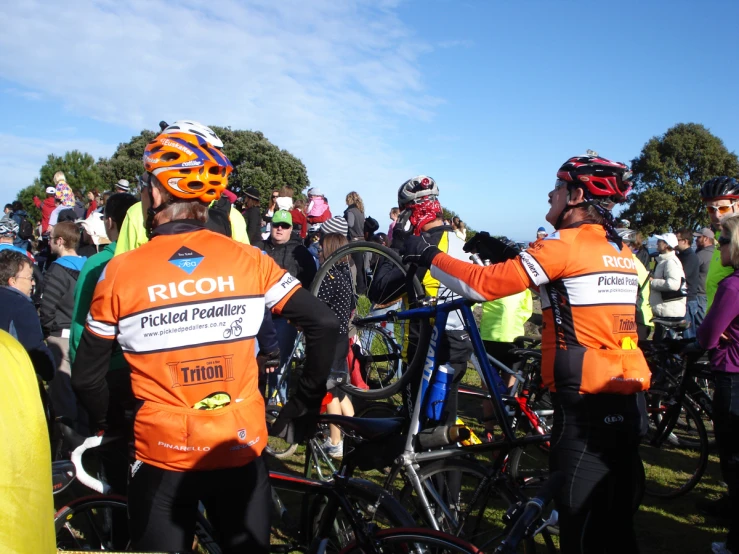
(336, 291)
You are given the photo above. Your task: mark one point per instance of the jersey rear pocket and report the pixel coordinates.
(614, 371)
(184, 439)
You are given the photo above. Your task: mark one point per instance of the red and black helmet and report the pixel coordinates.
(599, 176)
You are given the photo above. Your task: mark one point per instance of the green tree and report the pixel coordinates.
(259, 163)
(668, 175)
(126, 162)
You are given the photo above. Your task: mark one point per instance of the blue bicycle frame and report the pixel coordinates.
(440, 312)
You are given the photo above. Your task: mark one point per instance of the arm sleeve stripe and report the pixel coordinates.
(101, 329)
(280, 290)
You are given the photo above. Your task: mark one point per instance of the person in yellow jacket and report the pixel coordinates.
(644, 325)
(502, 321)
(133, 230)
(27, 524)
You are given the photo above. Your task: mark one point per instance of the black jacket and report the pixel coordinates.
(643, 256)
(292, 257)
(253, 219)
(19, 318)
(691, 267)
(355, 220)
(57, 302)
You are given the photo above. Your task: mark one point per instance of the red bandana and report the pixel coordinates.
(423, 213)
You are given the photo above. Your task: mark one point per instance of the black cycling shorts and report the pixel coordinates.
(595, 442)
(163, 505)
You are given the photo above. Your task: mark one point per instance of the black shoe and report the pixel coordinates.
(718, 508)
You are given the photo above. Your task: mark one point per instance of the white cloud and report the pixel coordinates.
(323, 79)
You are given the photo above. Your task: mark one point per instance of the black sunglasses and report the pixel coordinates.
(281, 225)
(723, 241)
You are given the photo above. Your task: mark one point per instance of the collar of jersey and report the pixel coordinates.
(178, 227)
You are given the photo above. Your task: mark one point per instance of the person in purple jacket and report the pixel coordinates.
(719, 332)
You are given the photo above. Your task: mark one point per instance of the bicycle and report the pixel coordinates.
(676, 433)
(443, 509)
(344, 514)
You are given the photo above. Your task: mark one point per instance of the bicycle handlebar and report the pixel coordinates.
(85, 478)
(531, 511)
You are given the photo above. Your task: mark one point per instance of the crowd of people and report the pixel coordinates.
(169, 310)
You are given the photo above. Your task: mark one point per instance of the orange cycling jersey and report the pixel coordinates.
(588, 294)
(185, 309)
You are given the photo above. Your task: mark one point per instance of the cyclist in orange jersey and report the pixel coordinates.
(590, 361)
(185, 308)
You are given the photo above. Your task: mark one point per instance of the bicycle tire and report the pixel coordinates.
(687, 464)
(478, 528)
(426, 541)
(374, 504)
(364, 305)
(90, 511)
(88, 524)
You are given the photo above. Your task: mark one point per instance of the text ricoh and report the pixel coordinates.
(191, 287)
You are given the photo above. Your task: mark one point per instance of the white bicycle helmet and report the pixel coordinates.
(8, 227)
(194, 128)
(627, 235)
(417, 189)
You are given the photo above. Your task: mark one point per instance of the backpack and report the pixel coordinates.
(218, 217)
(25, 229)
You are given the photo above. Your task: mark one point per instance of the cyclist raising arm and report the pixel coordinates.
(590, 359)
(185, 308)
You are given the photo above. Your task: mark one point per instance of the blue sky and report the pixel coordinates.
(487, 97)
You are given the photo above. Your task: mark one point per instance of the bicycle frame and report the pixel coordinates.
(496, 387)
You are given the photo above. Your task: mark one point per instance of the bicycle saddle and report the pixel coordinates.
(672, 322)
(367, 428)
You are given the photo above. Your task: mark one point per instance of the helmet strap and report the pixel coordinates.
(609, 224)
(152, 212)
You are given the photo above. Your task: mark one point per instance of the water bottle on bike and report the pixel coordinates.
(437, 393)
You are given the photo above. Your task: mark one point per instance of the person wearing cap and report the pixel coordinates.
(705, 246)
(46, 207)
(668, 288)
(122, 186)
(541, 233)
(318, 210)
(252, 215)
(291, 255)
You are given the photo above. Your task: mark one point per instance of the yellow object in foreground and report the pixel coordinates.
(27, 524)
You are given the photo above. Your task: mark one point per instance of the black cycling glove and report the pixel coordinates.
(490, 248)
(418, 251)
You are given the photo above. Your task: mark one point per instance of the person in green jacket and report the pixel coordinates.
(721, 197)
(502, 321)
(115, 212)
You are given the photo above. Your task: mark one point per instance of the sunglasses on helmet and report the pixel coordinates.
(720, 209)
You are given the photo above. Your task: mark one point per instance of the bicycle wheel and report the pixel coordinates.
(379, 348)
(420, 541)
(473, 502)
(93, 523)
(686, 465)
(372, 505)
